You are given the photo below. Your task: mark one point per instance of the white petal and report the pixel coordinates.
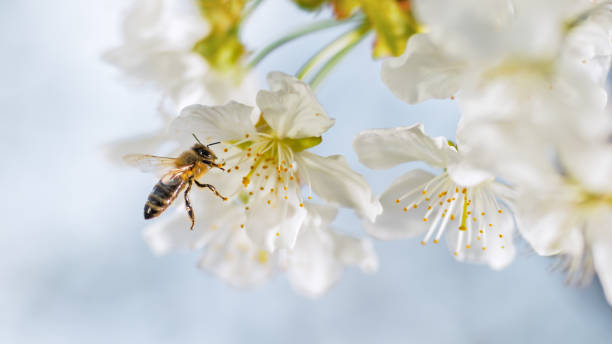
(333, 180)
(312, 267)
(320, 215)
(354, 251)
(544, 220)
(385, 148)
(394, 222)
(214, 123)
(274, 226)
(232, 257)
(601, 246)
(321, 255)
(291, 108)
(423, 72)
(467, 175)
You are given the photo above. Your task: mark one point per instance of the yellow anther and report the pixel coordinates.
(467, 246)
(424, 219)
(405, 209)
(423, 243)
(246, 136)
(455, 253)
(415, 206)
(277, 233)
(424, 192)
(499, 211)
(501, 235)
(436, 241)
(242, 226)
(397, 201)
(484, 248)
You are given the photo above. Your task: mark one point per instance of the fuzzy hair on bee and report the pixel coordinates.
(185, 170)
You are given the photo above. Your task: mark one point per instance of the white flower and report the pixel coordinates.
(461, 201)
(471, 42)
(568, 212)
(312, 267)
(159, 36)
(267, 159)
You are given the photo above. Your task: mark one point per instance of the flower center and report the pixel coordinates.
(272, 168)
(443, 202)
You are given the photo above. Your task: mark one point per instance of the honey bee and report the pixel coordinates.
(184, 171)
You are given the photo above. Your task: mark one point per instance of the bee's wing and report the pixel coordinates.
(150, 163)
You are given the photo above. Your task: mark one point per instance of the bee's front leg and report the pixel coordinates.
(188, 204)
(212, 188)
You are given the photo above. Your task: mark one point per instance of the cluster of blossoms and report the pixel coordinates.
(533, 150)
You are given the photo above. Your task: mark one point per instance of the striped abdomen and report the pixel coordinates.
(163, 194)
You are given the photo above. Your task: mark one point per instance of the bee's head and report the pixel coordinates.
(204, 152)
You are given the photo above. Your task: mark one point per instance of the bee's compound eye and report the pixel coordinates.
(204, 153)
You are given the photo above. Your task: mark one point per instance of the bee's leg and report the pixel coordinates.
(188, 205)
(212, 188)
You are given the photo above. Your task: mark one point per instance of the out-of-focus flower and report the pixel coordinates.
(569, 213)
(392, 20)
(321, 254)
(158, 49)
(462, 201)
(470, 43)
(267, 159)
(313, 266)
(222, 47)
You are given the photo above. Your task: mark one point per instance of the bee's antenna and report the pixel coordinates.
(212, 144)
(195, 137)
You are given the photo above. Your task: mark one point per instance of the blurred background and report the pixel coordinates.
(74, 267)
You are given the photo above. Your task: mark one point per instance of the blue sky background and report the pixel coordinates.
(73, 265)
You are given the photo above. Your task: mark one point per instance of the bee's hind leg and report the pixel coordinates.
(212, 188)
(188, 205)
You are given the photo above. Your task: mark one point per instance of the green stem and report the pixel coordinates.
(349, 41)
(318, 26)
(252, 7)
